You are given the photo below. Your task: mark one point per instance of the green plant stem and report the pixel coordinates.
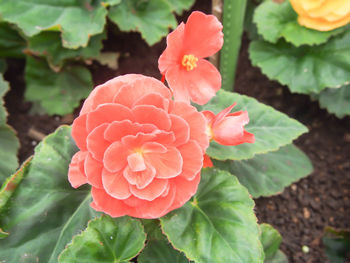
(233, 20)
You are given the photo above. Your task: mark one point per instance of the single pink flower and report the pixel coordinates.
(139, 150)
(189, 75)
(228, 128)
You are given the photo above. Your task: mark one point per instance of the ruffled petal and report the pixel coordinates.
(152, 115)
(115, 156)
(115, 184)
(150, 192)
(136, 162)
(192, 157)
(203, 35)
(93, 171)
(76, 173)
(79, 132)
(167, 165)
(96, 142)
(107, 113)
(180, 128)
(177, 80)
(154, 99)
(140, 179)
(105, 203)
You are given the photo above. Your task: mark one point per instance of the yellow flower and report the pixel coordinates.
(322, 15)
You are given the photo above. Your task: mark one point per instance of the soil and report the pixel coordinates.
(303, 210)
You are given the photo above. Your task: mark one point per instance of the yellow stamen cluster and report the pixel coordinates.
(189, 62)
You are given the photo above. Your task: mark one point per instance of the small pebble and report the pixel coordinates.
(305, 249)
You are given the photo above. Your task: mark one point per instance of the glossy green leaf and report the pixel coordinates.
(160, 251)
(218, 225)
(272, 129)
(180, 5)
(271, 240)
(268, 174)
(305, 69)
(336, 101)
(9, 143)
(151, 18)
(45, 211)
(77, 20)
(106, 240)
(337, 244)
(48, 44)
(11, 43)
(58, 93)
(275, 20)
(152, 229)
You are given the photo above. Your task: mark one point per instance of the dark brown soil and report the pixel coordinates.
(302, 211)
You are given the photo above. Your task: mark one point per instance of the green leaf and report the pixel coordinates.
(48, 44)
(268, 174)
(336, 101)
(58, 93)
(152, 229)
(337, 244)
(271, 240)
(272, 129)
(3, 234)
(218, 225)
(305, 69)
(160, 251)
(151, 18)
(180, 5)
(3, 66)
(275, 20)
(9, 143)
(106, 240)
(45, 211)
(107, 3)
(11, 43)
(77, 20)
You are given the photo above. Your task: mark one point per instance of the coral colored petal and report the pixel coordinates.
(93, 171)
(203, 82)
(105, 203)
(167, 165)
(196, 121)
(115, 157)
(104, 93)
(96, 143)
(140, 179)
(173, 52)
(107, 113)
(115, 184)
(184, 190)
(207, 161)
(164, 138)
(152, 115)
(180, 128)
(153, 147)
(79, 132)
(76, 174)
(151, 191)
(192, 157)
(136, 162)
(135, 142)
(118, 129)
(222, 114)
(209, 115)
(178, 82)
(154, 99)
(203, 35)
(154, 209)
(129, 94)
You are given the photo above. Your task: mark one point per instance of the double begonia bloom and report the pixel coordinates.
(189, 75)
(140, 151)
(322, 15)
(228, 128)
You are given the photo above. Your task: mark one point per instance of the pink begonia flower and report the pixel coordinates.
(189, 75)
(140, 151)
(228, 128)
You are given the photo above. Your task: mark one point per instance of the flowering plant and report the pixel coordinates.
(141, 150)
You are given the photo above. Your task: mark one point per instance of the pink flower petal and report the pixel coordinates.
(96, 143)
(152, 115)
(105, 203)
(76, 174)
(153, 147)
(79, 132)
(107, 113)
(207, 161)
(93, 171)
(167, 165)
(115, 157)
(115, 184)
(140, 179)
(151, 191)
(135, 142)
(154, 99)
(176, 77)
(192, 157)
(180, 128)
(203, 35)
(136, 162)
